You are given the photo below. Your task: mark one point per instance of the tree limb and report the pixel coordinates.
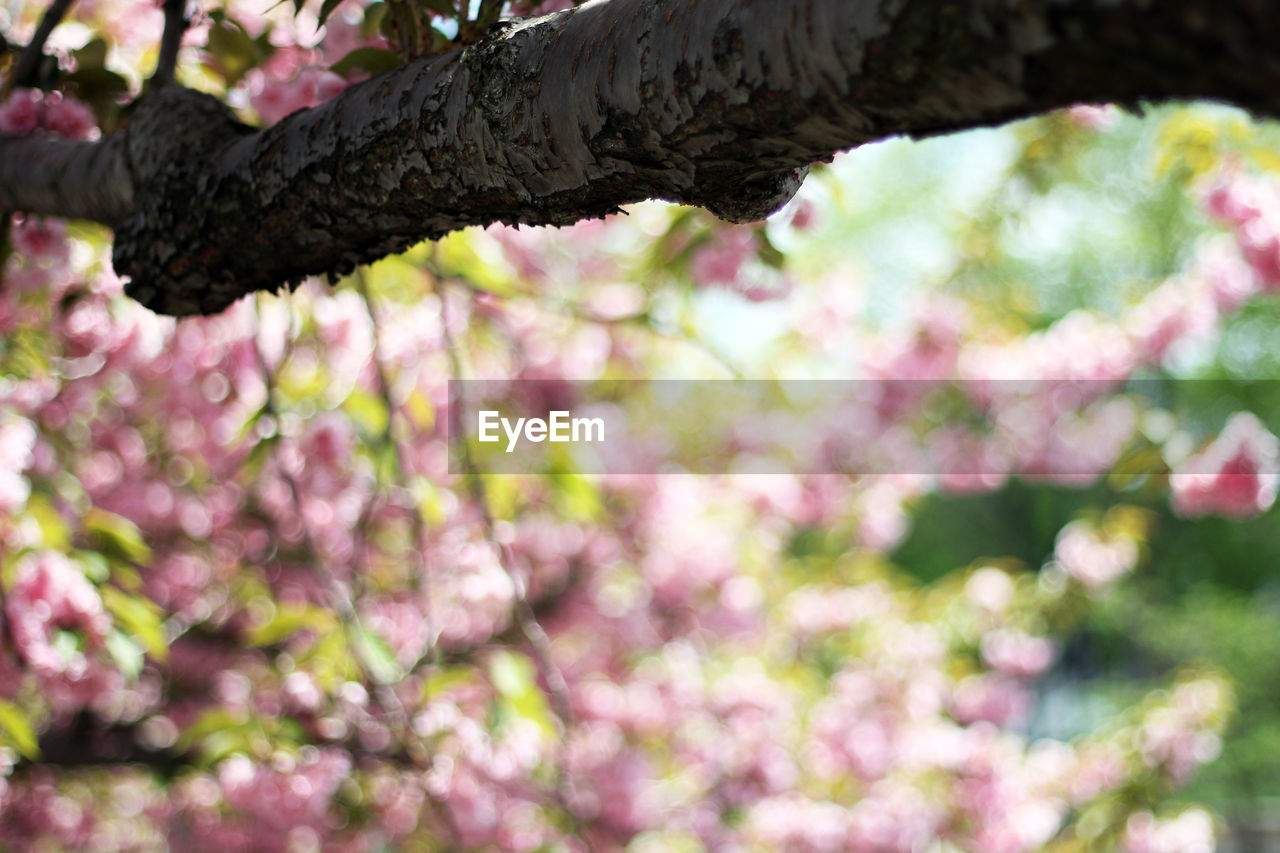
(58, 177)
(29, 60)
(718, 103)
(175, 25)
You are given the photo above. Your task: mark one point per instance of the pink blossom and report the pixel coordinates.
(1229, 278)
(22, 113)
(1178, 310)
(613, 777)
(794, 823)
(40, 238)
(277, 99)
(928, 350)
(1176, 745)
(527, 8)
(1084, 555)
(1093, 116)
(993, 698)
(990, 589)
(803, 214)
(1235, 199)
(51, 600)
(17, 441)
(295, 792)
(1189, 832)
(720, 261)
(1251, 209)
(813, 611)
(1099, 768)
(1016, 654)
(1234, 476)
(70, 118)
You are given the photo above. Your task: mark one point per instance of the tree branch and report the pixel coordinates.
(29, 60)
(718, 103)
(175, 25)
(76, 180)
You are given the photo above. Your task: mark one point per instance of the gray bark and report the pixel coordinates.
(716, 103)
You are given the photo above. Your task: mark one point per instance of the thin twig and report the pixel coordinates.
(29, 60)
(339, 598)
(420, 576)
(175, 25)
(344, 606)
(6, 242)
(526, 620)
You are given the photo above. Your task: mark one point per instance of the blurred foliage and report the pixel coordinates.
(1082, 220)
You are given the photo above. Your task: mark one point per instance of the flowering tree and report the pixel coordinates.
(249, 604)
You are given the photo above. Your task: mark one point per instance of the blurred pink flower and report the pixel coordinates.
(1088, 558)
(1189, 832)
(40, 238)
(276, 99)
(21, 113)
(720, 260)
(70, 118)
(58, 624)
(1097, 117)
(17, 441)
(1017, 654)
(1234, 476)
(993, 698)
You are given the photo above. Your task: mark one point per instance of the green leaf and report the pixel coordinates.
(386, 463)
(472, 256)
(94, 566)
(576, 497)
(210, 722)
(263, 42)
(375, 656)
(92, 55)
(288, 620)
(67, 644)
(18, 731)
(446, 679)
(326, 9)
(125, 652)
(233, 51)
(503, 493)
(488, 14)
(371, 24)
(220, 745)
(139, 617)
(115, 536)
(54, 533)
(330, 661)
(514, 676)
(219, 732)
(100, 89)
(769, 254)
(443, 7)
(375, 60)
(259, 455)
(367, 410)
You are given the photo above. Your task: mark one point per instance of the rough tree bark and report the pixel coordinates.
(717, 103)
